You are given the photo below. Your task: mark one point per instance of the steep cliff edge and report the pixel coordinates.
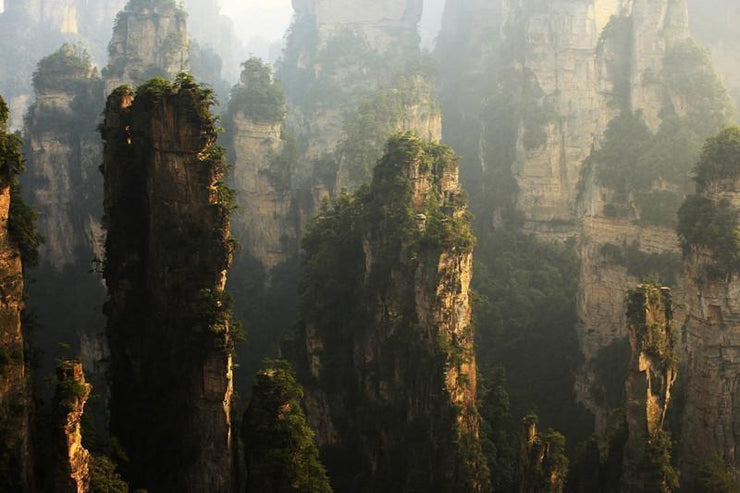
(64, 184)
(582, 120)
(262, 170)
(266, 224)
(72, 461)
(707, 227)
(651, 375)
(385, 333)
(16, 229)
(150, 39)
(167, 252)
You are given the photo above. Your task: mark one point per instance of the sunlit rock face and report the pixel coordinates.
(385, 335)
(168, 248)
(150, 39)
(72, 459)
(15, 389)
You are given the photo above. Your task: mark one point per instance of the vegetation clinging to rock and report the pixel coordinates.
(280, 453)
(259, 96)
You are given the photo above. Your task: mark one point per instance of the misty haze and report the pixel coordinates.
(369, 246)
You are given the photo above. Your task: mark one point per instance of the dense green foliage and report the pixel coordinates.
(279, 449)
(103, 476)
(637, 164)
(689, 73)
(660, 475)
(713, 224)
(543, 463)
(258, 96)
(164, 5)
(353, 260)
(63, 70)
(21, 218)
(702, 223)
(720, 158)
(526, 318)
(365, 133)
(664, 267)
(497, 436)
(713, 476)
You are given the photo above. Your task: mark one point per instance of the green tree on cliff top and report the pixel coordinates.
(280, 453)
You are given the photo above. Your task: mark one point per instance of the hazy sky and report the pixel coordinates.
(269, 19)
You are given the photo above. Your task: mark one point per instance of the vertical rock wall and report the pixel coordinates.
(149, 39)
(563, 71)
(167, 252)
(712, 326)
(15, 397)
(386, 334)
(650, 378)
(64, 185)
(72, 460)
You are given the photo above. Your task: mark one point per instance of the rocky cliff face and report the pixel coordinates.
(58, 16)
(711, 324)
(338, 57)
(31, 29)
(576, 79)
(385, 332)
(64, 185)
(150, 39)
(167, 252)
(60, 129)
(572, 67)
(650, 379)
(15, 398)
(72, 461)
(262, 170)
(385, 23)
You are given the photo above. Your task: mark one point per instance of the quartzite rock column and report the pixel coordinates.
(167, 252)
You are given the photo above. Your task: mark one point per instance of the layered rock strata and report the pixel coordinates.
(167, 253)
(385, 332)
